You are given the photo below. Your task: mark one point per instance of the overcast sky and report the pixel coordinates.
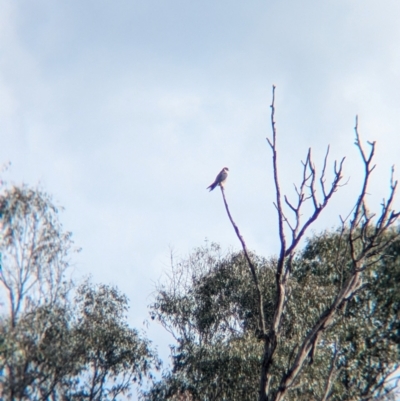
(125, 111)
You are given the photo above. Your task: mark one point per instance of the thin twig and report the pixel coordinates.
(363, 247)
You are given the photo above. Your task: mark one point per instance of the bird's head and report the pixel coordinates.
(225, 169)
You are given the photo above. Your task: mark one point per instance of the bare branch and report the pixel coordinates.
(276, 180)
(364, 244)
(317, 210)
(322, 178)
(290, 205)
(312, 184)
(332, 370)
(297, 230)
(251, 265)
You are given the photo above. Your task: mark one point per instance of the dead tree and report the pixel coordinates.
(365, 233)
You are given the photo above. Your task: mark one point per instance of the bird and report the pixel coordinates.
(220, 179)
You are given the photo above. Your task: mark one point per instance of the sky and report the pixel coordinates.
(125, 111)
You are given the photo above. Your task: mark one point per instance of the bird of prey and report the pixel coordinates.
(221, 178)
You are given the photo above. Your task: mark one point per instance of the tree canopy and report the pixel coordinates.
(210, 306)
(59, 340)
(314, 323)
(318, 321)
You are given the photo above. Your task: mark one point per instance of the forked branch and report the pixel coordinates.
(307, 190)
(365, 242)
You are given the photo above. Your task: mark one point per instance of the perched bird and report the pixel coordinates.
(221, 178)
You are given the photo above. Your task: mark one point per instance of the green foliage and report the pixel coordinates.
(209, 305)
(59, 341)
(34, 250)
(114, 355)
(365, 332)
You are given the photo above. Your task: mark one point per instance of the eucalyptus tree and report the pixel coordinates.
(309, 329)
(210, 307)
(59, 340)
(35, 251)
